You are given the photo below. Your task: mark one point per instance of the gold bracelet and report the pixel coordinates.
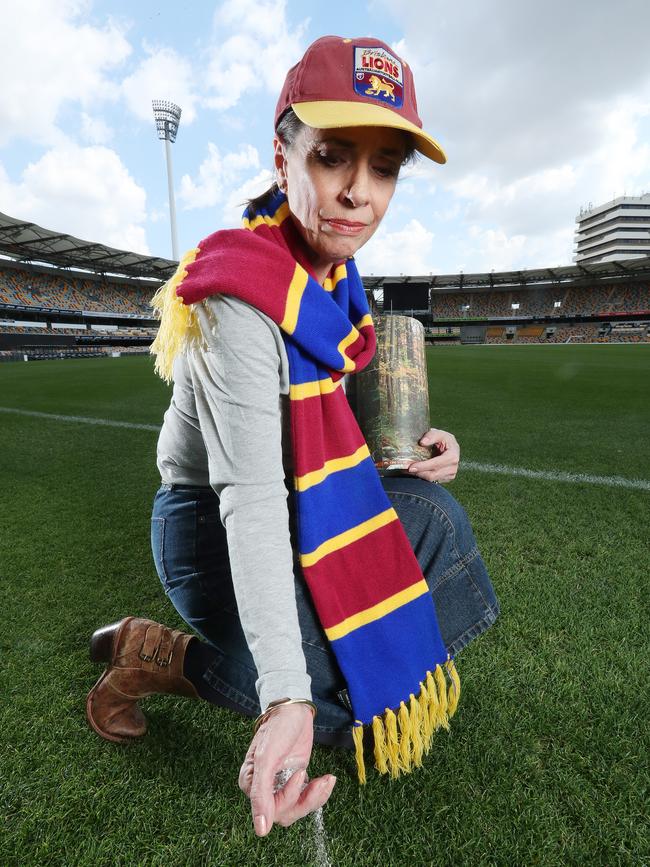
(279, 703)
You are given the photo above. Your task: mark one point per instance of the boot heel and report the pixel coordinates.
(101, 642)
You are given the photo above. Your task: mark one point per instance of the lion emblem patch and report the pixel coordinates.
(378, 75)
(377, 87)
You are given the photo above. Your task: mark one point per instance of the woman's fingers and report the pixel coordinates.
(288, 804)
(442, 468)
(292, 805)
(262, 803)
(287, 796)
(261, 790)
(435, 436)
(283, 740)
(246, 775)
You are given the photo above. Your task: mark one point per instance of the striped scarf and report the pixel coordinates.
(368, 590)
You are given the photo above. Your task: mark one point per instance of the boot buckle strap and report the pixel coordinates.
(165, 648)
(151, 642)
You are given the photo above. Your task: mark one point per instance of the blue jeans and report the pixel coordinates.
(190, 551)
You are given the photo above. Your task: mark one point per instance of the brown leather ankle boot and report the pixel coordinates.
(145, 658)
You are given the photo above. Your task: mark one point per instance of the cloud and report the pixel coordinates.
(216, 176)
(494, 246)
(256, 55)
(157, 215)
(540, 110)
(49, 59)
(163, 74)
(95, 130)
(408, 250)
(513, 87)
(236, 200)
(504, 252)
(84, 191)
(541, 206)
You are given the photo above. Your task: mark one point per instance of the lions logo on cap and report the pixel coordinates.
(378, 74)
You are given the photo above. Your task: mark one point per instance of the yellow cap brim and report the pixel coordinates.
(331, 114)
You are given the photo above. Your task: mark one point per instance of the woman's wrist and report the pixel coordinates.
(276, 705)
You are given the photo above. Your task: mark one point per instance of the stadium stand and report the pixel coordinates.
(32, 289)
(64, 297)
(587, 301)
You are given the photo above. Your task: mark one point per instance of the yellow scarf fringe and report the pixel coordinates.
(178, 322)
(398, 751)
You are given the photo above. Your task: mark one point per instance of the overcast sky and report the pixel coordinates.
(541, 108)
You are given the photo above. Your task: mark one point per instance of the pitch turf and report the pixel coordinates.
(546, 761)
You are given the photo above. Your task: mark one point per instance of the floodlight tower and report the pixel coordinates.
(168, 116)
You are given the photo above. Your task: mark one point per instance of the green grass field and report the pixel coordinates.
(546, 761)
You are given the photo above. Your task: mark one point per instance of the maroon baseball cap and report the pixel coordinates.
(355, 82)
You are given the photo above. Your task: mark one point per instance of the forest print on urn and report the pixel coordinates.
(390, 397)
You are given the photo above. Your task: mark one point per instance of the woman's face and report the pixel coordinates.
(338, 184)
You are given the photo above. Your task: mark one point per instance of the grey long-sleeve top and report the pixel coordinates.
(224, 428)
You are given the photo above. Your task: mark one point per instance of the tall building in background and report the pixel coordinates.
(619, 229)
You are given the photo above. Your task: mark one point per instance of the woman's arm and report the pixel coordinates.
(237, 386)
(237, 391)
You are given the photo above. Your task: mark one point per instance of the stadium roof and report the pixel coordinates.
(596, 272)
(27, 242)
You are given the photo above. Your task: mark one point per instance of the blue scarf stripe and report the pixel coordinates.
(302, 368)
(406, 640)
(341, 296)
(337, 504)
(321, 333)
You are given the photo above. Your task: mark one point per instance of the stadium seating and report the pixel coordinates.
(30, 289)
(530, 331)
(538, 302)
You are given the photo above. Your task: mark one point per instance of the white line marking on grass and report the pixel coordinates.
(106, 422)
(557, 476)
(500, 469)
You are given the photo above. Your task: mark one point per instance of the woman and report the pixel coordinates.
(260, 325)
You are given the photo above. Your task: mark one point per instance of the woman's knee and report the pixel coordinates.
(432, 517)
(430, 494)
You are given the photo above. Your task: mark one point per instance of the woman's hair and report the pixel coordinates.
(288, 130)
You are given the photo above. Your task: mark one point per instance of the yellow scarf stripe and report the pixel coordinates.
(276, 220)
(303, 483)
(367, 320)
(313, 388)
(375, 612)
(349, 365)
(340, 272)
(294, 297)
(349, 536)
(178, 322)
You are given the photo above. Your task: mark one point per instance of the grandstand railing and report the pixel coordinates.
(70, 312)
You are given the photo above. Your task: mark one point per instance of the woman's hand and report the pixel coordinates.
(444, 466)
(283, 741)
